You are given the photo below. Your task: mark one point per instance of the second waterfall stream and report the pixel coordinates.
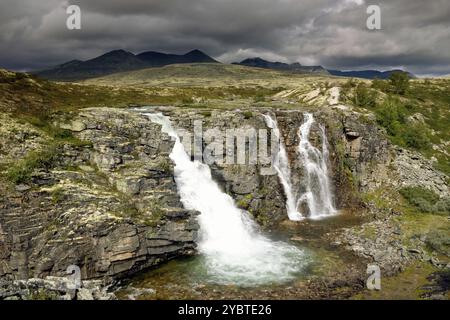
(317, 197)
(235, 252)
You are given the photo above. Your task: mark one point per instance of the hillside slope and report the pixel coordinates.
(200, 75)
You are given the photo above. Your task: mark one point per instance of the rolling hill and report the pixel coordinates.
(200, 75)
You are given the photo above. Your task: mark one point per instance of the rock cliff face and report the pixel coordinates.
(111, 208)
(361, 148)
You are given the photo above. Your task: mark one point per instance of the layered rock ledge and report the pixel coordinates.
(109, 206)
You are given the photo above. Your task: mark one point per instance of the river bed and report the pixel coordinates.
(190, 278)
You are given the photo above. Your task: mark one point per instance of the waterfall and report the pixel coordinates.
(281, 165)
(318, 196)
(233, 248)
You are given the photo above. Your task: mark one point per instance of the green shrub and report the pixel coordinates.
(187, 100)
(244, 203)
(60, 135)
(41, 294)
(443, 206)
(364, 97)
(439, 240)
(157, 214)
(57, 195)
(259, 98)
(392, 115)
(23, 169)
(417, 192)
(206, 113)
(399, 82)
(247, 114)
(426, 200)
(416, 137)
(165, 165)
(351, 83)
(346, 88)
(381, 85)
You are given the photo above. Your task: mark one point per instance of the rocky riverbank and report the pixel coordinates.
(106, 200)
(109, 206)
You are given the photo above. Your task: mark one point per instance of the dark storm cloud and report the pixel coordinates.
(415, 34)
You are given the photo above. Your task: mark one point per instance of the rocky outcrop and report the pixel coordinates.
(362, 150)
(54, 288)
(384, 243)
(17, 139)
(110, 207)
(361, 153)
(415, 170)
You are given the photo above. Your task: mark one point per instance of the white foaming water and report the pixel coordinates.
(234, 250)
(281, 165)
(318, 196)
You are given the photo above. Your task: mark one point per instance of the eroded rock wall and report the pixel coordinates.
(110, 208)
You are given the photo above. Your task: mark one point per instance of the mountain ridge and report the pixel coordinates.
(119, 61)
(368, 74)
(258, 62)
(297, 67)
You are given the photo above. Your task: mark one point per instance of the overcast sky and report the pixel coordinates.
(415, 34)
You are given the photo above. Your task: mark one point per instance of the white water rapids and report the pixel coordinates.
(234, 250)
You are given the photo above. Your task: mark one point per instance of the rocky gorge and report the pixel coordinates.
(108, 202)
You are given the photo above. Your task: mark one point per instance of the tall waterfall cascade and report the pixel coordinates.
(318, 195)
(233, 248)
(317, 200)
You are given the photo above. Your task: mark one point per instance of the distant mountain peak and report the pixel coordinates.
(257, 59)
(199, 56)
(121, 60)
(118, 52)
(195, 52)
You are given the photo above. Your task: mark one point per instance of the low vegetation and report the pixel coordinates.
(426, 200)
(399, 82)
(22, 171)
(415, 113)
(439, 241)
(392, 114)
